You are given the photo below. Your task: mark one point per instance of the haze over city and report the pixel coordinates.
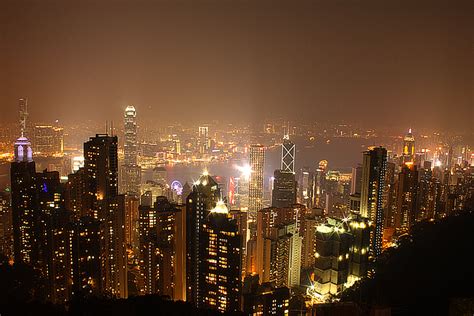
(407, 62)
(236, 157)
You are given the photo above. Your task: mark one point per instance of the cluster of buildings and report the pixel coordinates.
(102, 231)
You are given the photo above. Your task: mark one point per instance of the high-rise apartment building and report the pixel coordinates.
(203, 198)
(407, 197)
(372, 194)
(219, 284)
(101, 169)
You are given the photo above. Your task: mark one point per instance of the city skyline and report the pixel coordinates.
(239, 157)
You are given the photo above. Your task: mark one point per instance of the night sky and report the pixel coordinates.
(376, 62)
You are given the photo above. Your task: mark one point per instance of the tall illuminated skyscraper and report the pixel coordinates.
(372, 192)
(257, 160)
(201, 200)
(284, 189)
(131, 171)
(407, 197)
(23, 197)
(104, 203)
(219, 284)
(287, 155)
(24, 203)
(203, 139)
(408, 147)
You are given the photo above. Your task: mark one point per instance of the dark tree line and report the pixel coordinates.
(431, 271)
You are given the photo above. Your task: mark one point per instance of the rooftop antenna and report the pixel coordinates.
(286, 131)
(106, 126)
(23, 103)
(111, 128)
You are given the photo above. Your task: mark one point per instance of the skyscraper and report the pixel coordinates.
(104, 203)
(200, 201)
(372, 193)
(203, 139)
(48, 140)
(407, 197)
(219, 284)
(131, 171)
(284, 189)
(257, 160)
(287, 155)
(408, 147)
(162, 249)
(306, 187)
(24, 203)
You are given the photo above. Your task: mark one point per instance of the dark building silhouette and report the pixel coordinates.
(104, 204)
(199, 203)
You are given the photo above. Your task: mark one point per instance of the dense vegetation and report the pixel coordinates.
(429, 271)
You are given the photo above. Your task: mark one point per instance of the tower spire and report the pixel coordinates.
(23, 105)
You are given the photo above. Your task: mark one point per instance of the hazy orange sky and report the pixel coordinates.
(376, 62)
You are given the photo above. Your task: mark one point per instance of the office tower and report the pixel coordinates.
(160, 175)
(86, 236)
(354, 203)
(200, 201)
(48, 140)
(306, 187)
(319, 182)
(286, 263)
(333, 244)
(265, 299)
(219, 280)
(131, 171)
(203, 140)
(162, 249)
(101, 168)
(356, 180)
(241, 187)
(407, 195)
(359, 228)
(284, 189)
(408, 147)
(372, 192)
(257, 160)
(287, 155)
(24, 203)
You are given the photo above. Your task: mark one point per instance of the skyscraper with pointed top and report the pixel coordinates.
(131, 171)
(24, 195)
(408, 147)
(287, 154)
